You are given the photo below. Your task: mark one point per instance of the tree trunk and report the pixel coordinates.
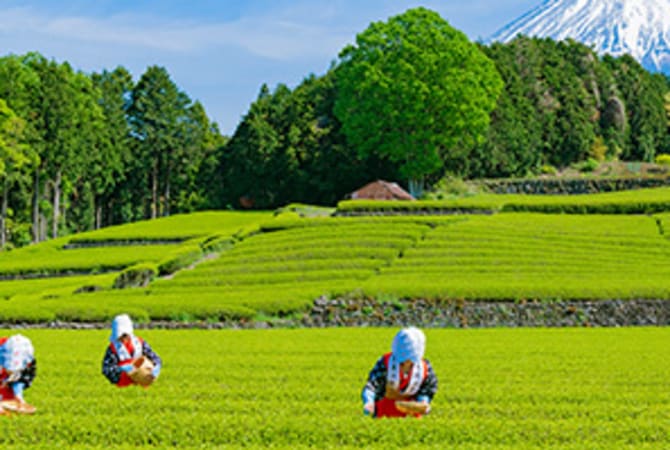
(98, 214)
(43, 225)
(36, 207)
(166, 209)
(3, 214)
(154, 190)
(56, 209)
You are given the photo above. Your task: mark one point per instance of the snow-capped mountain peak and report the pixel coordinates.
(640, 28)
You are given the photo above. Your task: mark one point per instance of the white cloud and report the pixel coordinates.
(280, 39)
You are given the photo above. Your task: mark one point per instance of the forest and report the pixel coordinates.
(412, 101)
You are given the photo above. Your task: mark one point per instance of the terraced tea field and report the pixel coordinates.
(258, 264)
(534, 256)
(290, 261)
(501, 388)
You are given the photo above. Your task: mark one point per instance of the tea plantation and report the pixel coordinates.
(565, 388)
(232, 266)
(498, 388)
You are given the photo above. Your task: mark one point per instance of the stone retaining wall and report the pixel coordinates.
(573, 185)
(455, 314)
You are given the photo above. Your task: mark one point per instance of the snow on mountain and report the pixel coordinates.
(640, 28)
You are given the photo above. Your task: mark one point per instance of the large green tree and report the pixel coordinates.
(15, 158)
(107, 161)
(155, 115)
(417, 91)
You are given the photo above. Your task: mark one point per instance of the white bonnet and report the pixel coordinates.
(409, 343)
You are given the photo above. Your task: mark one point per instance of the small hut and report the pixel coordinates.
(381, 190)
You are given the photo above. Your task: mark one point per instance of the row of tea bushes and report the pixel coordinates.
(307, 253)
(176, 303)
(533, 256)
(177, 228)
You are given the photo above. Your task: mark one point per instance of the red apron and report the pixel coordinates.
(386, 406)
(125, 380)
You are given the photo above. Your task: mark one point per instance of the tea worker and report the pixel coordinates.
(402, 382)
(129, 359)
(17, 372)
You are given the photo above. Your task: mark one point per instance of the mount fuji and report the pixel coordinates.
(640, 28)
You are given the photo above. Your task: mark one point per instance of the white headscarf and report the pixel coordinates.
(17, 353)
(408, 344)
(121, 325)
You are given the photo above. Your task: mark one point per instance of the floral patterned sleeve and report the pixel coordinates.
(28, 374)
(110, 366)
(149, 353)
(428, 388)
(375, 388)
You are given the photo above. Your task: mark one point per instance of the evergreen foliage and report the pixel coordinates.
(413, 99)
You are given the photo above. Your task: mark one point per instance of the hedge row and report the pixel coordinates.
(644, 201)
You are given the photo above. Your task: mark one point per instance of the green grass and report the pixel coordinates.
(498, 389)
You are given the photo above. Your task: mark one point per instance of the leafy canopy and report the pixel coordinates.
(415, 90)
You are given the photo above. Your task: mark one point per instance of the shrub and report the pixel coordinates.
(663, 159)
(218, 244)
(598, 149)
(548, 169)
(450, 186)
(588, 166)
(138, 275)
(179, 259)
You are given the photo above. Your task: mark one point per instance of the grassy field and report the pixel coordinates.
(507, 389)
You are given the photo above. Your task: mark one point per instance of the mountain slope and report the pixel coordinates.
(640, 28)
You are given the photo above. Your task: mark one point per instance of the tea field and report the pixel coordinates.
(242, 266)
(498, 389)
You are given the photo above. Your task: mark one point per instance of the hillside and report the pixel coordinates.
(636, 27)
(247, 267)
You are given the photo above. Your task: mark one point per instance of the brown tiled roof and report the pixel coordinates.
(381, 190)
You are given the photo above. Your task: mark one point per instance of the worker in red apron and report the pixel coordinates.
(402, 383)
(17, 372)
(129, 359)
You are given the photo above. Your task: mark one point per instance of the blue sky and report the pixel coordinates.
(220, 52)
